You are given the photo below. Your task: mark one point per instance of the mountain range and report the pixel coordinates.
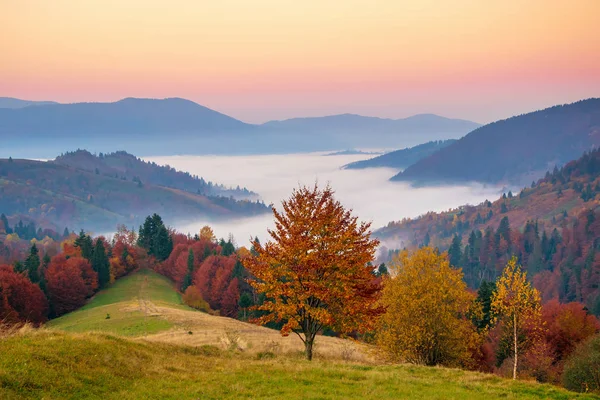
(176, 126)
(513, 151)
(11, 102)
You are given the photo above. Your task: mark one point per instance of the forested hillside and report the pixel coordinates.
(401, 159)
(514, 150)
(59, 196)
(552, 227)
(126, 166)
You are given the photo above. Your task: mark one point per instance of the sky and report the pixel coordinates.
(274, 59)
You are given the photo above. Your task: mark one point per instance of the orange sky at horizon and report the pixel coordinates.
(274, 59)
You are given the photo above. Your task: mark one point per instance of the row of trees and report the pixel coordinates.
(563, 265)
(62, 278)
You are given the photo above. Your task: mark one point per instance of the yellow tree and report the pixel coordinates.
(315, 271)
(207, 233)
(517, 304)
(428, 311)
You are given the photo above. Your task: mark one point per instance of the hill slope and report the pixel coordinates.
(146, 304)
(552, 227)
(515, 150)
(121, 164)
(401, 159)
(55, 365)
(64, 196)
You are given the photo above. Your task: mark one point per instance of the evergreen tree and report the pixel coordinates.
(5, 223)
(84, 242)
(100, 263)
(45, 263)
(207, 252)
(503, 208)
(382, 270)
(163, 244)
(19, 266)
(66, 233)
(484, 297)
(245, 302)
(227, 248)
(155, 238)
(32, 264)
(455, 252)
(187, 280)
(426, 240)
(504, 230)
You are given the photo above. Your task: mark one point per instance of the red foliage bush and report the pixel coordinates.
(20, 300)
(69, 282)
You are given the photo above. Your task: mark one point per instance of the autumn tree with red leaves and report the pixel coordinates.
(69, 282)
(20, 300)
(315, 272)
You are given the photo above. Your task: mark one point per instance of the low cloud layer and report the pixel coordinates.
(368, 192)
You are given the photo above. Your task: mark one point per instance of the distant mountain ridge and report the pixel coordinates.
(419, 123)
(179, 126)
(403, 158)
(13, 103)
(130, 115)
(514, 150)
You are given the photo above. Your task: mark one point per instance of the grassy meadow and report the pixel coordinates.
(127, 308)
(153, 347)
(56, 365)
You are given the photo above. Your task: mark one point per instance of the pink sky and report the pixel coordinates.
(275, 59)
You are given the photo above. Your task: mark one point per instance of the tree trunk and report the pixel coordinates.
(308, 347)
(515, 343)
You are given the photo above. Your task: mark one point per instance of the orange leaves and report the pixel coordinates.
(315, 271)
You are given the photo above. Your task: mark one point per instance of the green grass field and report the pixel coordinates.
(86, 356)
(58, 365)
(128, 302)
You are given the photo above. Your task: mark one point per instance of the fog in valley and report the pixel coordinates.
(368, 192)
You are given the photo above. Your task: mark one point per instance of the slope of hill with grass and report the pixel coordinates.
(53, 365)
(153, 347)
(145, 304)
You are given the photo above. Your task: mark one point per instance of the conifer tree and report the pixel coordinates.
(187, 280)
(100, 263)
(32, 264)
(84, 242)
(455, 252)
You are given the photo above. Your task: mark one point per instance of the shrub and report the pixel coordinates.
(193, 298)
(582, 369)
